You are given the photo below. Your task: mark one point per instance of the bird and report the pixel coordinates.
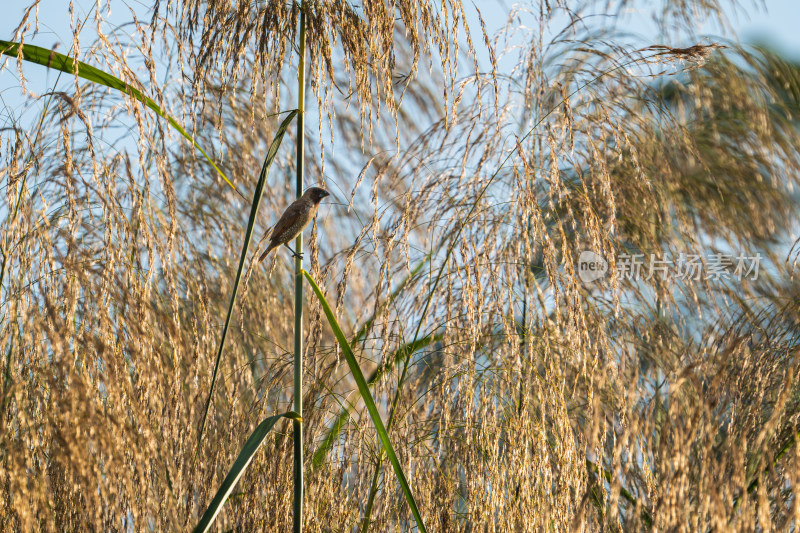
(294, 220)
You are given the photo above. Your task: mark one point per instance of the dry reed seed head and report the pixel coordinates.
(365, 38)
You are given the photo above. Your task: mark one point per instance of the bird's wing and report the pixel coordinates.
(288, 218)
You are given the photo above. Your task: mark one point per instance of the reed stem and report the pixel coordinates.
(298, 288)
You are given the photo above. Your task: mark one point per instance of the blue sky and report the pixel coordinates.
(774, 22)
(777, 26)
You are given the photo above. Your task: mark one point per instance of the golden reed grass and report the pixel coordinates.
(544, 404)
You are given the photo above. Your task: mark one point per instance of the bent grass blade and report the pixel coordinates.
(363, 389)
(52, 59)
(241, 463)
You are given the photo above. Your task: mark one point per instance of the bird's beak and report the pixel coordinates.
(325, 193)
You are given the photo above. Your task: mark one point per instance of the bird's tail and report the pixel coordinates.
(267, 251)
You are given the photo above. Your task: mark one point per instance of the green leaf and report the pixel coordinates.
(402, 352)
(249, 449)
(52, 59)
(363, 388)
(262, 180)
(333, 432)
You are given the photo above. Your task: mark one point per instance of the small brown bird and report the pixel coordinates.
(294, 220)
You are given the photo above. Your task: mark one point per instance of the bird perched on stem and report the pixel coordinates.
(294, 220)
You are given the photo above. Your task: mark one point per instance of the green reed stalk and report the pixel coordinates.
(298, 287)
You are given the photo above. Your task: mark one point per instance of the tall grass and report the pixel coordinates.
(520, 398)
